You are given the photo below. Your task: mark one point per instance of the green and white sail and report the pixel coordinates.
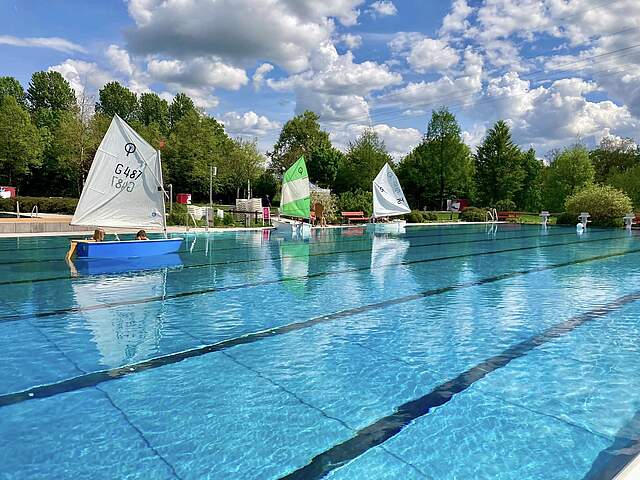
(296, 200)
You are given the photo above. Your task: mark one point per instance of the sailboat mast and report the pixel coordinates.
(164, 215)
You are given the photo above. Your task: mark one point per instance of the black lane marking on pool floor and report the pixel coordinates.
(613, 459)
(233, 262)
(206, 291)
(387, 427)
(95, 378)
(367, 240)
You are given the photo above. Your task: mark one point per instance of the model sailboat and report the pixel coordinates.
(295, 199)
(388, 201)
(124, 189)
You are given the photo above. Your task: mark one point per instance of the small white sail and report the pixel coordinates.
(123, 188)
(388, 197)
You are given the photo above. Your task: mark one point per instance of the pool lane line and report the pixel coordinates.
(205, 291)
(347, 238)
(388, 427)
(367, 239)
(612, 460)
(101, 376)
(340, 252)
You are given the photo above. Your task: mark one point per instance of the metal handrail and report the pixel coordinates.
(34, 211)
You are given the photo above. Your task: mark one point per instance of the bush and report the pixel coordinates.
(473, 214)
(62, 205)
(505, 206)
(414, 217)
(178, 215)
(605, 204)
(566, 219)
(430, 216)
(358, 201)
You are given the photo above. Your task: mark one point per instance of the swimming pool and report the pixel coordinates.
(448, 352)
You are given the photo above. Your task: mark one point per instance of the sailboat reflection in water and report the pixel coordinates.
(127, 333)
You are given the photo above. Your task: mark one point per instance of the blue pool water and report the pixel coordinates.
(444, 353)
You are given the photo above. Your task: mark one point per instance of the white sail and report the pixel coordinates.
(388, 197)
(123, 188)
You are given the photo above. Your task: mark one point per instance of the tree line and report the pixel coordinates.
(48, 137)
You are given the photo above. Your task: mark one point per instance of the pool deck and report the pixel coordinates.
(631, 471)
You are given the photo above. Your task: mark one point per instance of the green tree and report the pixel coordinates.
(440, 167)
(243, 163)
(12, 87)
(570, 170)
(323, 163)
(529, 197)
(180, 106)
(153, 109)
(302, 135)
(74, 144)
(614, 156)
(364, 159)
(20, 142)
(48, 95)
(499, 172)
(195, 143)
(265, 185)
(115, 99)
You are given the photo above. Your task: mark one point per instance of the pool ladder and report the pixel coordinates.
(491, 215)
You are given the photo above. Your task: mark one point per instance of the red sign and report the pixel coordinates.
(7, 192)
(266, 213)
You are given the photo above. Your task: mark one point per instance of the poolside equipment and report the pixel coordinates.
(580, 228)
(296, 200)
(545, 218)
(388, 201)
(124, 189)
(629, 220)
(584, 219)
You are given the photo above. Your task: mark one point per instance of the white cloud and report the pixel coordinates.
(351, 41)
(248, 124)
(82, 76)
(54, 43)
(460, 86)
(383, 8)
(259, 74)
(335, 85)
(431, 54)
(197, 73)
(456, 20)
(399, 141)
(283, 32)
(120, 60)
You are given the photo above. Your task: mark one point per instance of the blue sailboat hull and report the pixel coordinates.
(102, 266)
(128, 248)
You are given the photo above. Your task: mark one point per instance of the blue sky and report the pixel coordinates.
(557, 70)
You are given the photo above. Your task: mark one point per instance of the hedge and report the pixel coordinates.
(60, 205)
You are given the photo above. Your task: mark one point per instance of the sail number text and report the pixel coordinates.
(128, 182)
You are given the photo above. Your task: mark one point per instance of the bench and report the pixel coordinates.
(354, 217)
(506, 216)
